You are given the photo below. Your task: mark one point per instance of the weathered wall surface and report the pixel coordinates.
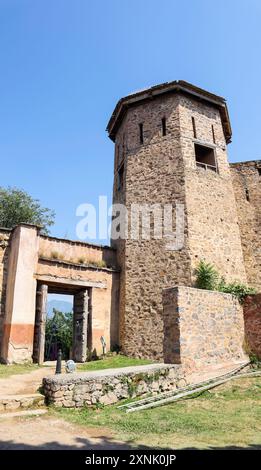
(153, 173)
(18, 331)
(4, 249)
(213, 232)
(246, 178)
(75, 251)
(63, 262)
(107, 387)
(252, 318)
(202, 328)
(65, 267)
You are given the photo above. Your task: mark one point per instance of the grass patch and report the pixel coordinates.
(227, 416)
(13, 369)
(112, 362)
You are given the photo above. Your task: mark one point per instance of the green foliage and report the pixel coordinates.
(238, 290)
(112, 362)
(255, 361)
(17, 206)
(206, 276)
(59, 330)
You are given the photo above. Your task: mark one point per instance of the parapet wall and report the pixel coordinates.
(76, 251)
(202, 328)
(108, 386)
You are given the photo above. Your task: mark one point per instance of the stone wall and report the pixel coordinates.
(247, 188)
(153, 173)
(162, 170)
(202, 328)
(213, 232)
(108, 386)
(4, 245)
(252, 318)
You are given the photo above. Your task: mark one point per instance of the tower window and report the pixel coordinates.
(259, 171)
(247, 194)
(213, 134)
(141, 133)
(194, 127)
(120, 177)
(205, 157)
(164, 126)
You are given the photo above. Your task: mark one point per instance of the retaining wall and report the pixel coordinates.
(111, 385)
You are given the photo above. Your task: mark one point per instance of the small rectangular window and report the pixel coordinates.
(120, 177)
(164, 126)
(141, 133)
(259, 171)
(213, 134)
(205, 157)
(247, 194)
(194, 127)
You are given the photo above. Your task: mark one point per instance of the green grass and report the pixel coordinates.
(13, 369)
(111, 362)
(228, 416)
(106, 363)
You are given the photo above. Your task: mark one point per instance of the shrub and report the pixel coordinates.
(206, 276)
(238, 290)
(56, 255)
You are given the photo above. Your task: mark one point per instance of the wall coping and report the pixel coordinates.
(204, 291)
(92, 267)
(78, 242)
(83, 377)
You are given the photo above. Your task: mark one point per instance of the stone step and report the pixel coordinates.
(15, 402)
(18, 414)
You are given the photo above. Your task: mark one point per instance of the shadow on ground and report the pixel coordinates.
(106, 444)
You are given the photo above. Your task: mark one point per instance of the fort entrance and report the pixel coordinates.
(39, 265)
(82, 319)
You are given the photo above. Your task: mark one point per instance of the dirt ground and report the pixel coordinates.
(49, 433)
(24, 383)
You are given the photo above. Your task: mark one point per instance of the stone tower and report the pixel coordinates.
(170, 147)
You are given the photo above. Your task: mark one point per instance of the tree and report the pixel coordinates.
(17, 206)
(58, 334)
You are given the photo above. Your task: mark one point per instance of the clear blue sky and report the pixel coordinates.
(65, 63)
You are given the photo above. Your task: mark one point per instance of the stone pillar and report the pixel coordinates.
(40, 321)
(17, 344)
(80, 325)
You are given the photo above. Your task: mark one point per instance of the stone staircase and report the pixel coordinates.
(19, 394)
(14, 406)
(22, 402)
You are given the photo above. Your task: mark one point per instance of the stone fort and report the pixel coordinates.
(170, 147)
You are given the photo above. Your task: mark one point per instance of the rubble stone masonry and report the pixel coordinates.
(252, 317)
(202, 328)
(108, 386)
(162, 169)
(247, 188)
